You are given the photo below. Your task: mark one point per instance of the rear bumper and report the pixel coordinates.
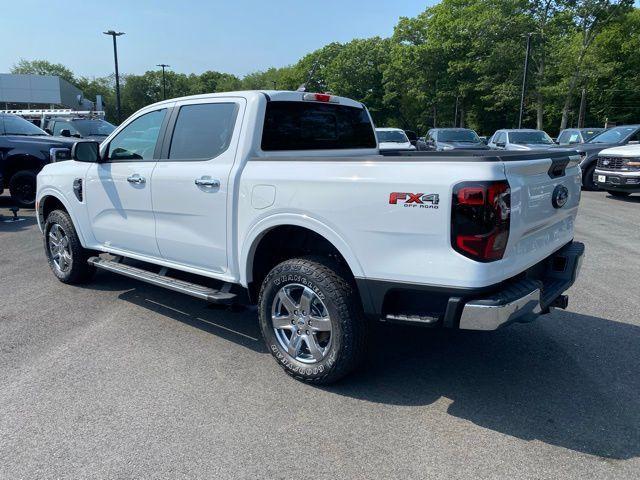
(520, 299)
(621, 181)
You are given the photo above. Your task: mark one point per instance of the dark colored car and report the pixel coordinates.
(24, 150)
(443, 139)
(571, 136)
(589, 150)
(89, 128)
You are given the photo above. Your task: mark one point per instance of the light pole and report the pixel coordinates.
(164, 85)
(524, 78)
(115, 34)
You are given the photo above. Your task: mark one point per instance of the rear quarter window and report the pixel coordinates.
(316, 126)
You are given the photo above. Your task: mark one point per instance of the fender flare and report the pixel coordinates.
(258, 230)
(52, 192)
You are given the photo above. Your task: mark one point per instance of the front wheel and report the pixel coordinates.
(22, 187)
(587, 179)
(65, 254)
(311, 320)
(615, 193)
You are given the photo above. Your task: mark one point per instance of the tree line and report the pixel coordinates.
(458, 63)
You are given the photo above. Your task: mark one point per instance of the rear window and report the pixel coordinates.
(316, 126)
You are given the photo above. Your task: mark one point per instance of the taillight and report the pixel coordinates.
(320, 97)
(480, 217)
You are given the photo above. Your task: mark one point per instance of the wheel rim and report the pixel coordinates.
(59, 248)
(301, 323)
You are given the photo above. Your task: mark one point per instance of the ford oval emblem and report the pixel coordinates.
(560, 196)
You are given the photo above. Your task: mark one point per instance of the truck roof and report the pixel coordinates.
(275, 95)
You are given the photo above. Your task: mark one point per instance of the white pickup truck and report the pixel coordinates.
(283, 199)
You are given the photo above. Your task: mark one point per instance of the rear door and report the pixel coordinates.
(545, 193)
(118, 190)
(190, 191)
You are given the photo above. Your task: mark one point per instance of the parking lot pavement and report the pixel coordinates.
(118, 379)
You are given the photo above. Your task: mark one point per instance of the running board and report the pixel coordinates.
(159, 279)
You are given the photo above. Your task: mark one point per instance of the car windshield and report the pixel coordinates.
(93, 127)
(391, 136)
(589, 134)
(537, 137)
(13, 125)
(463, 136)
(614, 135)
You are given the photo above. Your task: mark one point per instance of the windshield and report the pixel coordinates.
(93, 127)
(614, 135)
(391, 136)
(589, 134)
(13, 125)
(537, 137)
(464, 136)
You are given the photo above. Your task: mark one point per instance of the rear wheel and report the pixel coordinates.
(587, 178)
(22, 187)
(65, 254)
(311, 320)
(615, 193)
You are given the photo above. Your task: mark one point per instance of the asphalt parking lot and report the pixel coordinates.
(118, 379)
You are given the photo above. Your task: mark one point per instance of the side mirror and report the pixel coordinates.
(501, 144)
(86, 152)
(48, 130)
(65, 132)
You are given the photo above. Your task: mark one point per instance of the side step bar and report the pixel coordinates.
(199, 291)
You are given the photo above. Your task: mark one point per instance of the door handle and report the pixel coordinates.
(137, 179)
(208, 182)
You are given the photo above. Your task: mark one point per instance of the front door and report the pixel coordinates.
(190, 182)
(118, 190)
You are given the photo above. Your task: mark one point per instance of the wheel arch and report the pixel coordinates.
(19, 162)
(50, 200)
(308, 233)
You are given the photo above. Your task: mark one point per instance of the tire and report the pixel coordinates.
(334, 323)
(22, 187)
(615, 193)
(65, 254)
(587, 179)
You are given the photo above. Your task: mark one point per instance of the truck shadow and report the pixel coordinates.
(569, 380)
(629, 199)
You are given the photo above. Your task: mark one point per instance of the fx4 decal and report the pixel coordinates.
(420, 200)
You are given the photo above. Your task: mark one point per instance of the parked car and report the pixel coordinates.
(589, 151)
(520, 139)
(443, 139)
(618, 170)
(284, 199)
(572, 136)
(24, 150)
(412, 136)
(393, 139)
(90, 128)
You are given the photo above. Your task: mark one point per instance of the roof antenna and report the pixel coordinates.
(303, 87)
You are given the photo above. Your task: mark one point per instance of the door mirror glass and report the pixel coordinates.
(501, 144)
(86, 152)
(65, 132)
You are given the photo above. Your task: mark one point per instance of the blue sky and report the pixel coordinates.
(235, 36)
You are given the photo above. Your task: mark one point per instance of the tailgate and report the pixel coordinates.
(545, 193)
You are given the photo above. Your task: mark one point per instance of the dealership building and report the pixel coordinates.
(18, 92)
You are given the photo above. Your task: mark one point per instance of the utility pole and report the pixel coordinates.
(115, 34)
(583, 108)
(524, 79)
(164, 85)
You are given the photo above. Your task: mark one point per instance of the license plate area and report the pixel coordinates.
(602, 178)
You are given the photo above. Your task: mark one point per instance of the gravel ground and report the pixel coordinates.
(118, 379)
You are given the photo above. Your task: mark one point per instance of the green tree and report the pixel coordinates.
(43, 67)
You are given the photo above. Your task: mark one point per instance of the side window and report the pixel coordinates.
(574, 138)
(59, 126)
(635, 138)
(137, 141)
(501, 137)
(203, 131)
(564, 136)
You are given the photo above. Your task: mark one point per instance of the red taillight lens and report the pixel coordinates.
(480, 217)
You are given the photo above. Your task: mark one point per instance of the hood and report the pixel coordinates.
(462, 146)
(622, 151)
(42, 140)
(588, 147)
(395, 146)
